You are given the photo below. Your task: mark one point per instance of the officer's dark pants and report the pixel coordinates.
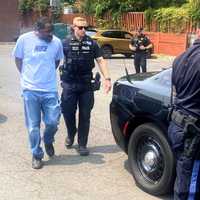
(184, 166)
(74, 95)
(140, 60)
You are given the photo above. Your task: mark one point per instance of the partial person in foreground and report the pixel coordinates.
(76, 75)
(184, 129)
(140, 45)
(37, 55)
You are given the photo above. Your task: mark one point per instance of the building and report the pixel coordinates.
(9, 20)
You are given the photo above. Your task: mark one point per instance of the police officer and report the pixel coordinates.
(140, 44)
(80, 52)
(184, 128)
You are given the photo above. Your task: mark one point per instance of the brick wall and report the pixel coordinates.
(9, 20)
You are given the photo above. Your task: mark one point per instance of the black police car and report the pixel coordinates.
(138, 113)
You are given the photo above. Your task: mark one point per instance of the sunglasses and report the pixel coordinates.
(81, 27)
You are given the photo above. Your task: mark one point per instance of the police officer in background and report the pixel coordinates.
(184, 130)
(140, 44)
(76, 75)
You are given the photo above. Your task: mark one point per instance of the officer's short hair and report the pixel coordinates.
(140, 29)
(42, 22)
(80, 21)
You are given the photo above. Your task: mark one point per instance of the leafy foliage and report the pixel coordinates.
(100, 7)
(88, 7)
(175, 19)
(26, 6)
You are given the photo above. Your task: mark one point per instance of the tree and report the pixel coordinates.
(26, 6)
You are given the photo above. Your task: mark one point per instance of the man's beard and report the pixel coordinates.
(47, 39)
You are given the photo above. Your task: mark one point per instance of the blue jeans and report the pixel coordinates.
(36, 105)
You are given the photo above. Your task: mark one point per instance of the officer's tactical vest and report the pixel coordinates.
(79, 60)
(138, 41)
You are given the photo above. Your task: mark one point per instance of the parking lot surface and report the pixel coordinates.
(102, 175)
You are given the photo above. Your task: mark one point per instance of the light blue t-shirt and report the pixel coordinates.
(38, 67)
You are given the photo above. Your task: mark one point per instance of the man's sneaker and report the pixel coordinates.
(68, 143)
(49, 149)
(83, 151)
(37, 163)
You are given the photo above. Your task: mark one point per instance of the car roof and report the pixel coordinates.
(103, 30)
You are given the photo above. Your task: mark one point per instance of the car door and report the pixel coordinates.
(119, 40)
(112, 38)
(124, 42)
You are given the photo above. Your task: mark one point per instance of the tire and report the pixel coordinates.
(128, 55)
(151, 160)
(107, 51)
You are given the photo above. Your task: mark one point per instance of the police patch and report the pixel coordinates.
(87, 42)
(85, 48)
(75, 48)
(74, 43)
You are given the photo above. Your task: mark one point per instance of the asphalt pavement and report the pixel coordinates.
(102, 175)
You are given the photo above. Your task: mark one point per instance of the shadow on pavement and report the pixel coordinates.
(105, 149)
(119, 57)
(75, 159)
(3, 118)
(95, 156)
(128, 58)
(163, 197)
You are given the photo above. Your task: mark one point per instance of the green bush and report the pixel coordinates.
(26, 6)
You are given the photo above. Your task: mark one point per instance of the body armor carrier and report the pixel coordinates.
(79, 60)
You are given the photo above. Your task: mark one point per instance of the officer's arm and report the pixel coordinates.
(131, 46)
(104, 71)
(149, 44)
(18, 62)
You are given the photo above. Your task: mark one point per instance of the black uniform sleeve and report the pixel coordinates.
(66, 45)
(146, 41)
(97, 50)
(133, 41)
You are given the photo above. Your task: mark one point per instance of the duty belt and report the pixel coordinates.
(188, 122)
(182, 119)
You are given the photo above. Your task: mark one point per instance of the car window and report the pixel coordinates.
(112, 34)
(90, 33)
(127, 35)
(163, 78)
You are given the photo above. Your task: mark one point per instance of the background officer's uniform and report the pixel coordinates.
(76, 79)
(140, 56)
(185, 140)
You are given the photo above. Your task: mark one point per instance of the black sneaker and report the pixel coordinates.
(68, 143)
(83, 151)
(37, 163)
(49, 149)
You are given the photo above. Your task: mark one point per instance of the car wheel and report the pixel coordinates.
(107, 51)
(151, 160)
(128, 55)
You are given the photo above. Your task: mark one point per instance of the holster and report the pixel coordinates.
(96, 82)
(191, 132)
